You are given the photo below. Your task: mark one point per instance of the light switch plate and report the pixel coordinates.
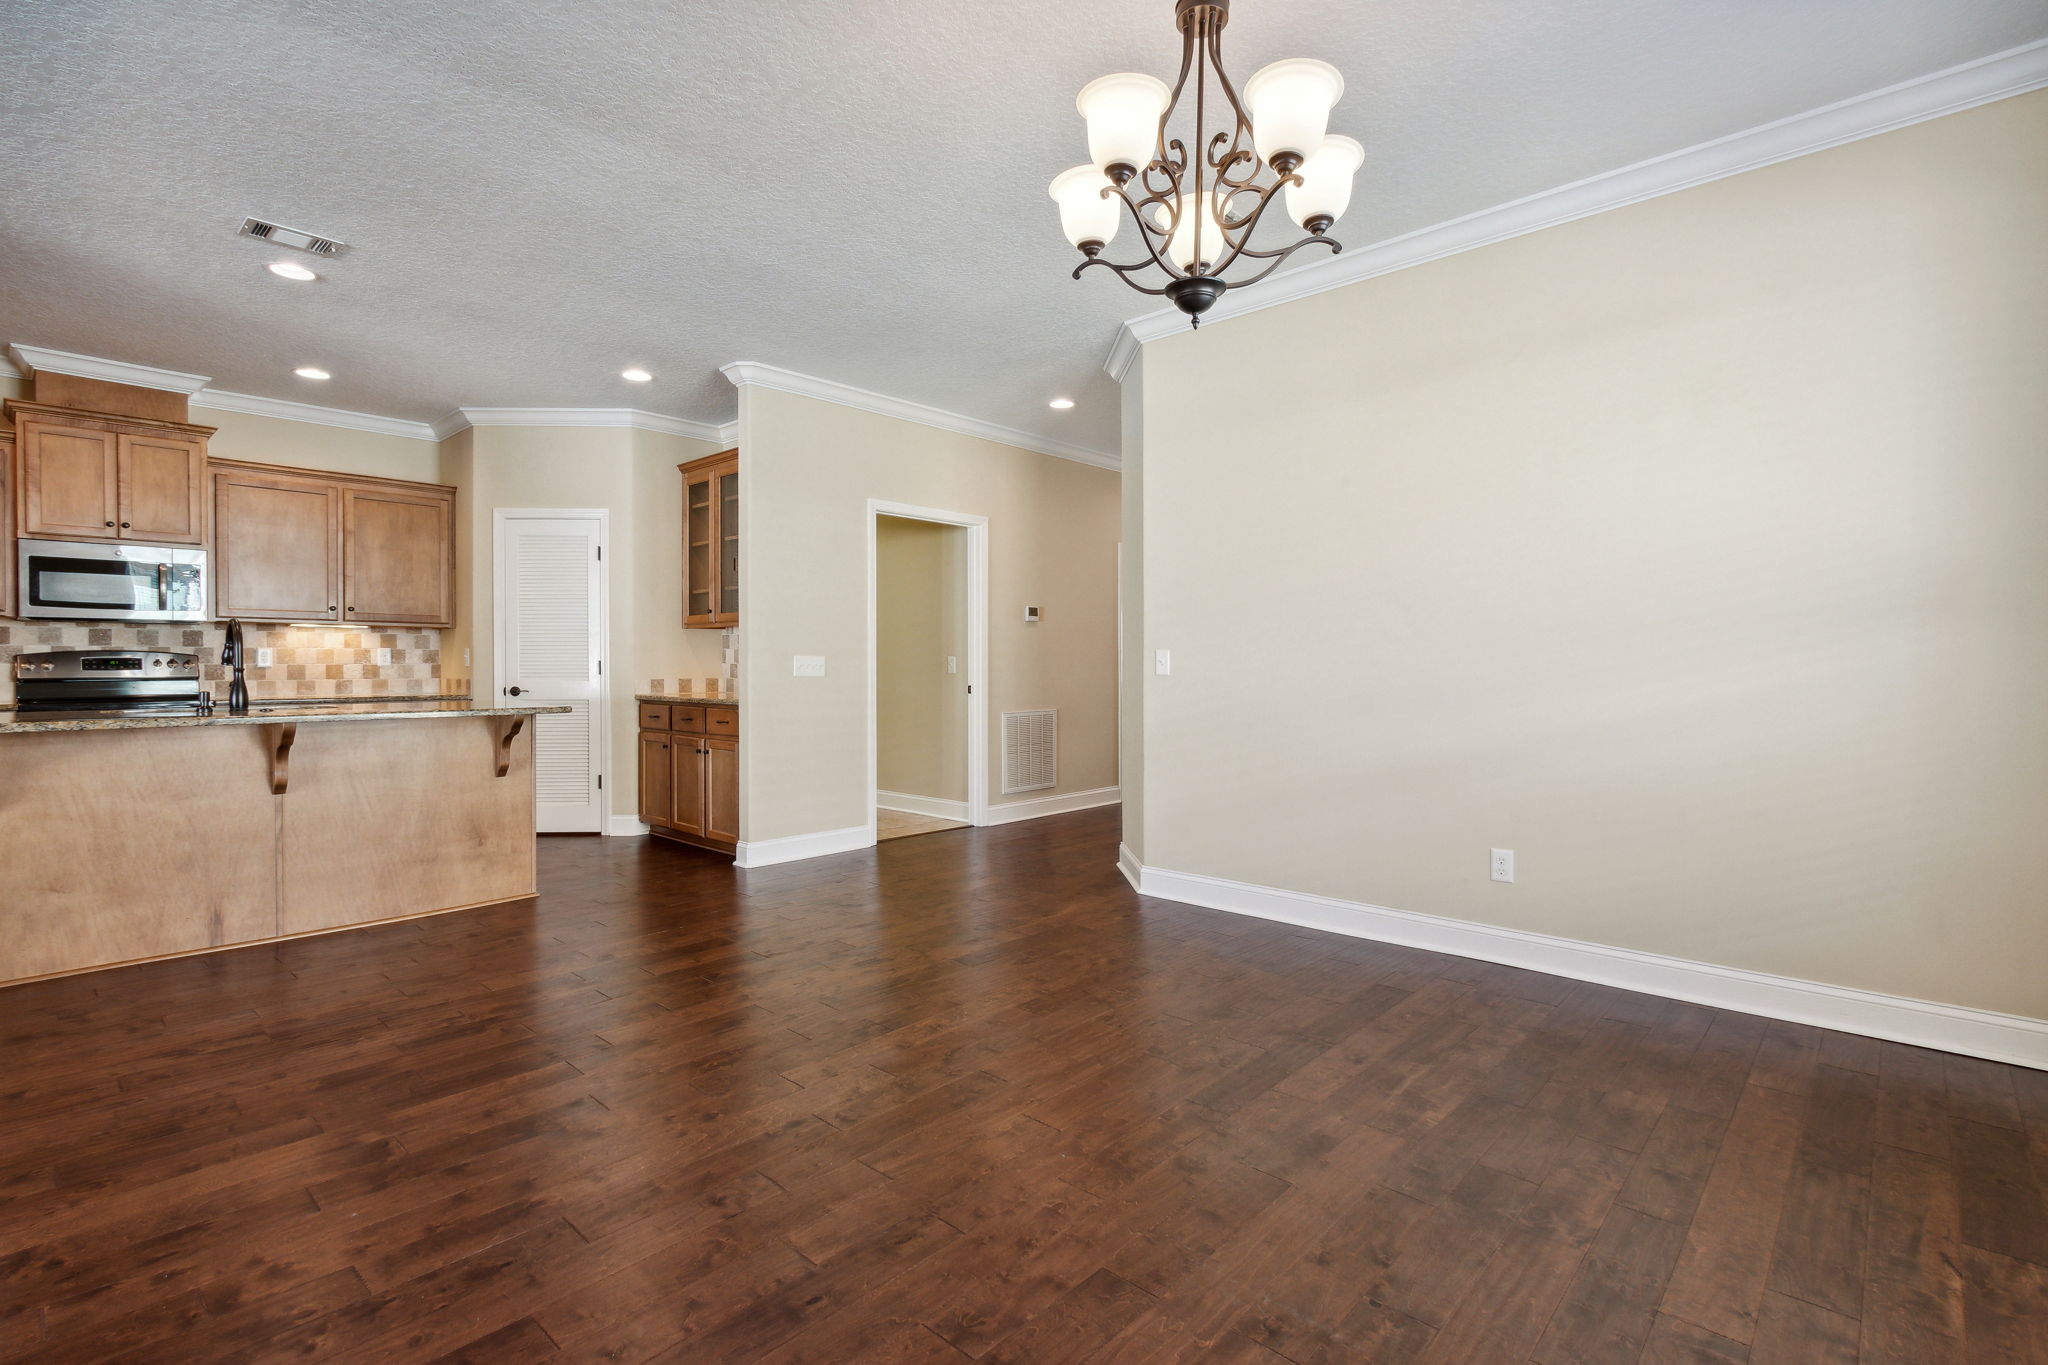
(952, 663)
(1162, 661)
(807, 665)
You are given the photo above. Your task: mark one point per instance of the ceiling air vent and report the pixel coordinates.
(296, 238)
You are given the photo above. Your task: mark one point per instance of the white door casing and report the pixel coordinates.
(549, 649)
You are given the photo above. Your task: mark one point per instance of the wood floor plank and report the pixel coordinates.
(970, 1097)
(1724, 1266)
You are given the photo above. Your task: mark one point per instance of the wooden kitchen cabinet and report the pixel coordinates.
(300, 545)
(711, 541)
(88, 476)
(398, 556)
(6, 522)
(276, 546)
(690, 779)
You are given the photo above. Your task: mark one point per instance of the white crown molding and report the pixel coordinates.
(1999, 76)
(1923, 1023)
(745, 372)
(1011, 811)
(111, 371)
(258, 406)
(577, 417)
(729, 433)
(9, 370)
(794, 847)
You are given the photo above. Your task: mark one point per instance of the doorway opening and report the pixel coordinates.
(927, 656)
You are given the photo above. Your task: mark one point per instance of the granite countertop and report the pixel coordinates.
(689, 698)
(268, 713)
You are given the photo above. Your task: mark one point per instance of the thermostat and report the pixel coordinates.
(1031, 616)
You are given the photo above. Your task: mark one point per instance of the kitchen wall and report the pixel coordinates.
(920, 621)
(633, 475)
(807, 471)
(310, 661)
(1696, 551)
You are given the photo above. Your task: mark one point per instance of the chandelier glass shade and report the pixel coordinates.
(1195, 203)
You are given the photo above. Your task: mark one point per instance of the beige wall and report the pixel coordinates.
(920, 621)
(1136, 659)
(308, 445)
(807, 470)
(1696, 551)
(630, 473)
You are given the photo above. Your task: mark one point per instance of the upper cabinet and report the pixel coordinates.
(276, 545)
(711, 541)
(83, 476)
(398, 555)
(298, 545)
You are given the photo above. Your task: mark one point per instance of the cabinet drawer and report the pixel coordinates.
(654, 715)
(687, 720)
(722, 720)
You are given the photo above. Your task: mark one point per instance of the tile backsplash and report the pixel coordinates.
(310, 661)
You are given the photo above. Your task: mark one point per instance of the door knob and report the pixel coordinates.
(515, 691)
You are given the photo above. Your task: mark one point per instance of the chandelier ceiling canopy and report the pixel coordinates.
(1196, 203)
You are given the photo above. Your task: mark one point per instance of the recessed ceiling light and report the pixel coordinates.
(1061, 403)
(636, 374)
(311, 372)
(291, 270)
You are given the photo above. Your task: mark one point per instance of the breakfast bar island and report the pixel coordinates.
(129, 838)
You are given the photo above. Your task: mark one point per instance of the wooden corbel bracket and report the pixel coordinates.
(508, 730)
(281, 737)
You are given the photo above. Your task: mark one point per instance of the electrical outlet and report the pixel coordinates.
(383, 656)
(1503, 864)
(807, 665)
(1162, 661)
(264, 656)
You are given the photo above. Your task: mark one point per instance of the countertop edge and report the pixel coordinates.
(290, 716)
(675, 699)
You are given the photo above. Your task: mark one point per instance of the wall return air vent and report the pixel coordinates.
(1030, 751)
(296, 238)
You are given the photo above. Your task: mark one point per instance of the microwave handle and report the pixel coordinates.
(163, 587)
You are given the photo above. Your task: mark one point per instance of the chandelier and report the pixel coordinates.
(1196, 212)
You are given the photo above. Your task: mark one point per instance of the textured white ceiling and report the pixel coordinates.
(539, 194)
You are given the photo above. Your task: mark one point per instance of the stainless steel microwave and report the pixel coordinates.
(78, 580)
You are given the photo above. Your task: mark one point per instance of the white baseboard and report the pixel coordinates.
(626, 824)
(1922, 1023)
(793, 847)
(934, 806)
(1053, 805)
(1127, 863)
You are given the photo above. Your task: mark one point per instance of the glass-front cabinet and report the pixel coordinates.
(711, 541)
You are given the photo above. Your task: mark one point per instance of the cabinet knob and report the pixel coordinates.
(125, 526)
(110, 523)
(330, 606)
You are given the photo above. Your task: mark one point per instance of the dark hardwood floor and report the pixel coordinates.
(968, 1096)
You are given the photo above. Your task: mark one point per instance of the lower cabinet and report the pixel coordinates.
(690, 773)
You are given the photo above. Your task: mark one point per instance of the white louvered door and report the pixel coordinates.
(550, 613)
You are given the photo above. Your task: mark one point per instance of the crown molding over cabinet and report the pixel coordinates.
(108, 371)
(744, 372)
(2012, 72)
